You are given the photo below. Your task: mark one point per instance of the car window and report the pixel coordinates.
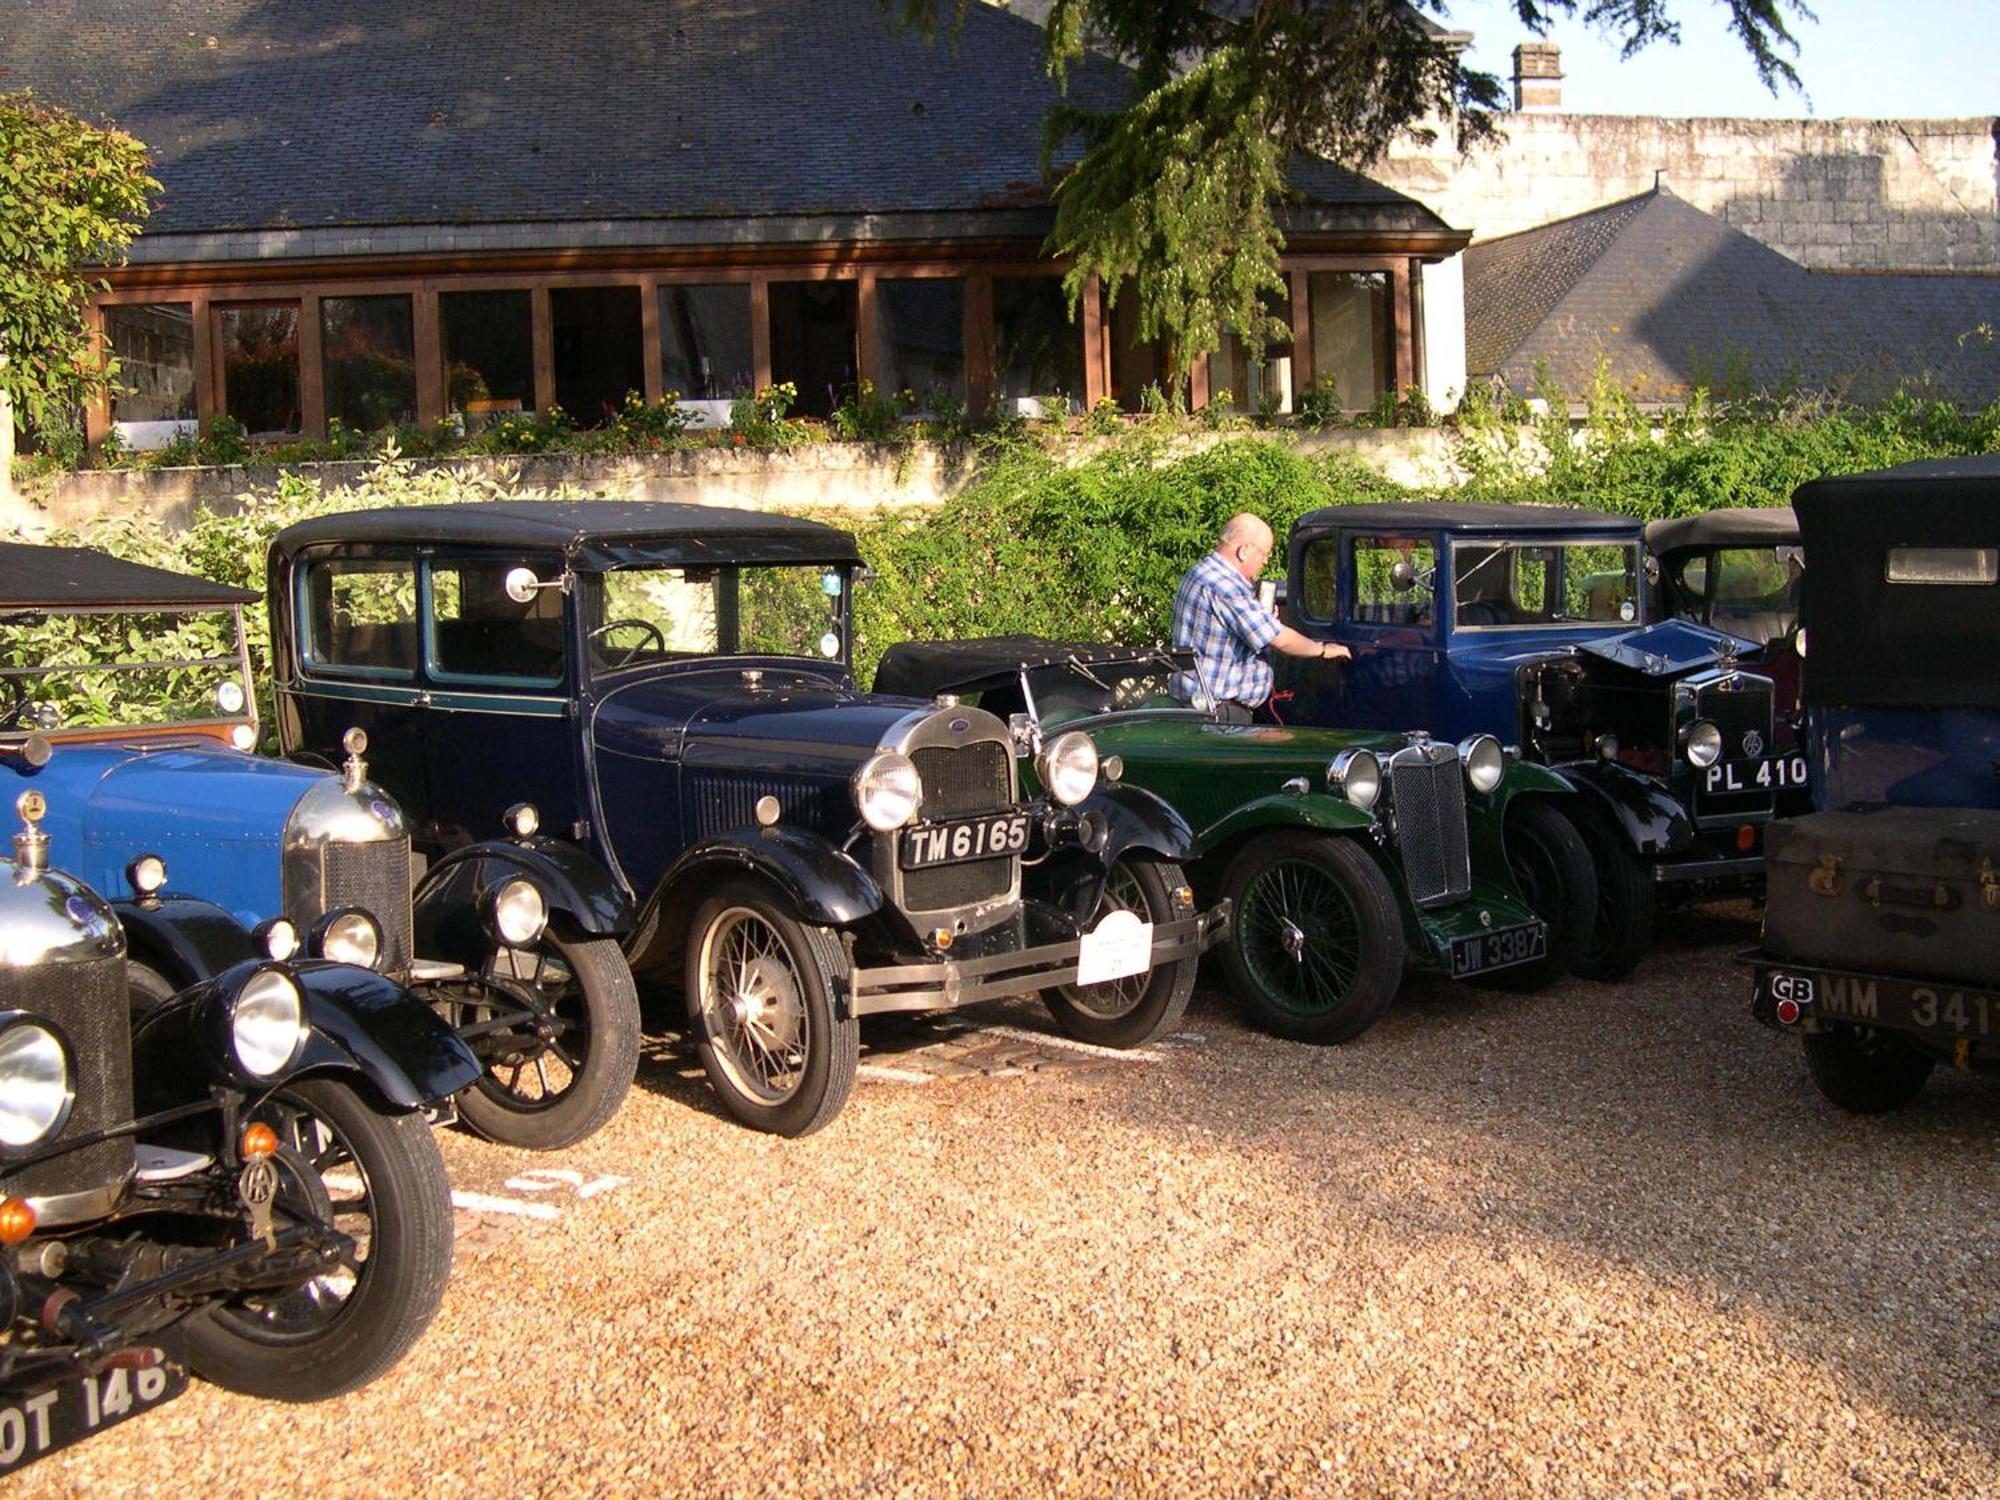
(361, 616)
(1392, 580)
(1515, 584)
(479, 631)
(1322, 579)
(1756, 592)
(651, 614)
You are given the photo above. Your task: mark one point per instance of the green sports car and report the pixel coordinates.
(1347, 857)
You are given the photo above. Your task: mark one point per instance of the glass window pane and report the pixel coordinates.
(260, 366)
(812, 341)
(705, 341)
(154, 346)
(1350, 333)
(1038, 350)
(644, 614)
(921, 327)
(1392, 580)
(477, 630)
(1250, 382)
(368, 349)
(1322, 570)
(1135, 363)
(489, 352)
(599, 350)
(361, 617)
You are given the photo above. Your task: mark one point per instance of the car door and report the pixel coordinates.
(1373, 592)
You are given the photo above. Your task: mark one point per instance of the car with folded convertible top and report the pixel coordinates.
(1528, 622)
(131, 707)
(1343, 855)
(656, 698)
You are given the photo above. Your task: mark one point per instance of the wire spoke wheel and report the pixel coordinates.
(752, 1007)
(1301, 937)
(1134, 1008)
(1115, 997)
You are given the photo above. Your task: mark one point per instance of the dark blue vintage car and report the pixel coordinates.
(1525, 622)
(1881, 941)
(656, 698)
(131, 707)
(1738, 571)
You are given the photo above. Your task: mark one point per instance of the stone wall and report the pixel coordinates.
(1861, 195)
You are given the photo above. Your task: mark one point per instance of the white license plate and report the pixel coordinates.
(1775, 774)
(1120, 946)
(32, 1427)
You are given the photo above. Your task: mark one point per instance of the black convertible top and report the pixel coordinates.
(1873, 642)
(1738, 526)
(1460, 515)
(917, 669)
(609, 530)
(51, 579)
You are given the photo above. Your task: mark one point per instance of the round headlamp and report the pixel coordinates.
(519, 913)
(348, 935)
(1485, 762)
(1701, 741)
(522, 820)
(242, 737)
(267, 1023)
(1607, 746)
(37, 1082)
(1068, 767)
(1356, 774)
(229, 698)
(147, 874)
(276, 939)
(887, 790)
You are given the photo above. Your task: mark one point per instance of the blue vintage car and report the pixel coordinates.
(669, 686)
(1526, 622)
(1881, 940)
(131, 707)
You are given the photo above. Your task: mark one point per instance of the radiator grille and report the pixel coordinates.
(1744, 710)
(957, 885)
(87, 1000)
(969, 780)
(375, 876)
(1429, 799)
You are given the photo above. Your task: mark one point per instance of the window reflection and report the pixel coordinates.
(260, 366)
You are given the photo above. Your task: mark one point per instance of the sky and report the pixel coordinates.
(1908, 59)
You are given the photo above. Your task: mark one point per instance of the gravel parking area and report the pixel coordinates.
(1605, 1239)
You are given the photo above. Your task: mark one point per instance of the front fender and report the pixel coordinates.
(1313, 810)
(183, 938)
(1136, 819)
(1641, 805)
(450, 900)
(363, 1026)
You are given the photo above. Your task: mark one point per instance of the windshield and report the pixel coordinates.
(1753, 592)
(1522, 585)
(1077, 689)
(640, 615)
(122, 669)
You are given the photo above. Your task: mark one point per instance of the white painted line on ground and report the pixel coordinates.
(891, 1075)
(542, 1179)
(1044, 1039)
(486, 1203)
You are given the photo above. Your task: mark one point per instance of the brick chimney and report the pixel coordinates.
(1538, 76)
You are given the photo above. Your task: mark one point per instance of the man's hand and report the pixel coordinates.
(1334, 651)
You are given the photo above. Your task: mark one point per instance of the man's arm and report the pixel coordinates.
(1292, 643)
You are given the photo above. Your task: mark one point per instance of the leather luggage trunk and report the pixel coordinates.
(1899, 890)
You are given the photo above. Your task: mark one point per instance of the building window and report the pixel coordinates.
(1254, 384)
(368, 349)
(1037, 347)
(489, 352)
(705, 341)
(1349, 312)
(154, 346)
(920, 322)
(599, 350)
(812, 341)
(1136, 363)
(260, 366)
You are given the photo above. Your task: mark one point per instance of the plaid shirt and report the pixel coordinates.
(1216, 612)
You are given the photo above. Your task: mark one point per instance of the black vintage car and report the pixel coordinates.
(655, 701)
(242, 1183)
(1881, 941)
(1737, 571)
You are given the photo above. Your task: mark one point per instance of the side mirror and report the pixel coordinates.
(1402, 576)
(522, 585)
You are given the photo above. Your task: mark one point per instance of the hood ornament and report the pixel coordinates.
(31, 845)
(1726, 653)
(354, 770)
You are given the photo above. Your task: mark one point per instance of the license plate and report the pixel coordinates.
(955, 842)
(1776, 773)
(1484, 951)
(33, 1427)
(1939, 1010)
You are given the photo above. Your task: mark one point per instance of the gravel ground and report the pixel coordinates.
(1602, 1240)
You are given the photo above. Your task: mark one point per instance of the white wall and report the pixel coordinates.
(1444, 332)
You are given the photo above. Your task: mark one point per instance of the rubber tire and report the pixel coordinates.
(146, 987)
(402, 1282)
(611, 1010)
(1870, 1079)
(1384, 949)
(1544, 849)
(1165, 999)
(1623, 933)
(833, 1041)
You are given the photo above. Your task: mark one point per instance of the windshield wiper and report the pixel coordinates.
(1087, 675)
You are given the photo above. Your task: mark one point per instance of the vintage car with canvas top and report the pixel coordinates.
(1738, 571)
(1881, 941)
(240, 1182)
(1343, 856)
(1525, 622)
(131, 708)
(667, 687)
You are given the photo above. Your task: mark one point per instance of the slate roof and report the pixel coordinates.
(1669, 297)
(700, 120)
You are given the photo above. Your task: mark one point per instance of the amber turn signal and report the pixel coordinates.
(259, 1141)
(1746, 838)
(17, 1220)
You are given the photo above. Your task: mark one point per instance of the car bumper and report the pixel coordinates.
(947, 983)
(1947, 1017)
(1737, 871)
(1489, 930)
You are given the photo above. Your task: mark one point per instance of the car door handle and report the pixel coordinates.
(422, 700)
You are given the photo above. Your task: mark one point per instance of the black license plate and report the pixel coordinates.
(963, 839)
(33, 1427)
(1485, 951)
(1934, 1009)
(1777, 773)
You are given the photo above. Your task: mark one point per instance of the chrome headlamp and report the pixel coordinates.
(146, 874)
(1356, 774)
(522, 820)
(267, 1023)
(887, 790)
(348, 935)
(276, 938)
(1067, 766)
(1485, 762)
(37, 1081)
(518, 913)
(1701, 742)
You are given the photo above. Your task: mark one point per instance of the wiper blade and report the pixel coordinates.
(1086, 674)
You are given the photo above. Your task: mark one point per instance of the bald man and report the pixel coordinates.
(1216, 612)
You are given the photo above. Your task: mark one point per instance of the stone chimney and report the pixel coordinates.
(1538, 76)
